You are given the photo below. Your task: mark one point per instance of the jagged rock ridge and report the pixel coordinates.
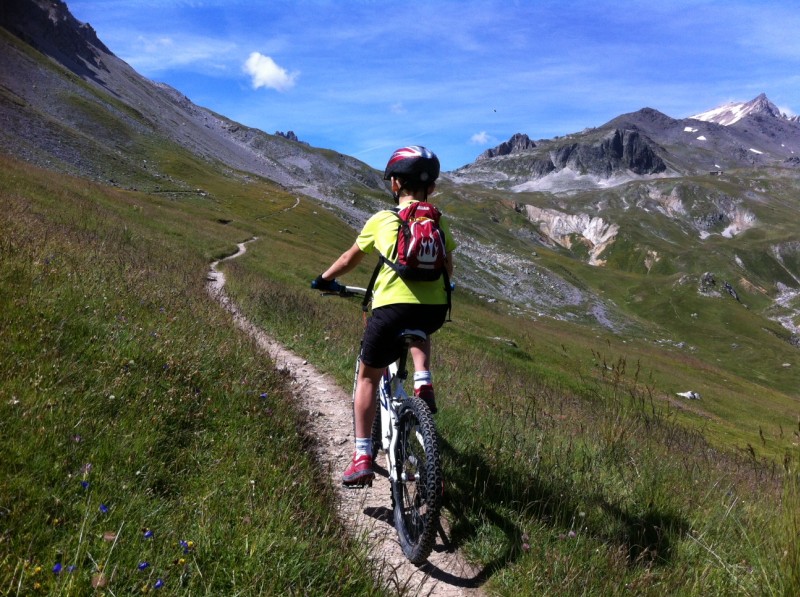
(517, 143)
(643, 144)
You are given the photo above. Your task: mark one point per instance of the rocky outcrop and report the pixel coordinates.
(619, 150)
(290, 135)
(562, 228)
(517, 143)
(48, 26)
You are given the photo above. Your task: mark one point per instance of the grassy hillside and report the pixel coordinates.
(146, 442)
(569, 462)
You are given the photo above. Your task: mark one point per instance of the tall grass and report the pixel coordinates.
(146, 445)
(586, 483)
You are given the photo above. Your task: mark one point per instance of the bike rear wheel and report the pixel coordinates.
(417, 492)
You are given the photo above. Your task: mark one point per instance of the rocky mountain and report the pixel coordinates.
(573, 228)
(86, 102)
(643, 145)
(517, 143)
(733, 112)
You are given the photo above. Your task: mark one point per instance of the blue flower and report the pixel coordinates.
(187, 546)
(103, 508)
(264, 395)
(57, 568)
(85, 484)
(148, 534)
(144, 565)
(159, 584)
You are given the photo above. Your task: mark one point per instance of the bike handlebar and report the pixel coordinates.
(336, 289)
(351, 291)
(346, 291)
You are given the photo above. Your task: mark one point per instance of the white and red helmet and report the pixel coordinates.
(415, 165)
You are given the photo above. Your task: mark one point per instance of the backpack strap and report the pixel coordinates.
(449, 290)
(381, 261)
(371, 285)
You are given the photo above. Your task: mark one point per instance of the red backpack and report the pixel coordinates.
(419, 252)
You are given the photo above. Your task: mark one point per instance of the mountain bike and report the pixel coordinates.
(404, 430)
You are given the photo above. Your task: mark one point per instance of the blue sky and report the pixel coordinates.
(364, 77)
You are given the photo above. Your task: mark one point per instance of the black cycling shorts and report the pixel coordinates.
(381, 345)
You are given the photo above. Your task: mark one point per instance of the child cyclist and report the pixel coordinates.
(397, 304)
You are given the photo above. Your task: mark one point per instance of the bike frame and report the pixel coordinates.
(391, 396)
(408, 438)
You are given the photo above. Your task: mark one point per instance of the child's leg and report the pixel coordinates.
(423, 379)
(364, 406)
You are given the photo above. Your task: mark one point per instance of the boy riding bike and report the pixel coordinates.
(397, 303)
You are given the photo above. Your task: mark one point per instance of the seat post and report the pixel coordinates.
(407, 337)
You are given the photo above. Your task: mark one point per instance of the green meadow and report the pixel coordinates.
(147, 445)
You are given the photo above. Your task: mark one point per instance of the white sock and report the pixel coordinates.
(422, 378)
(363, 446)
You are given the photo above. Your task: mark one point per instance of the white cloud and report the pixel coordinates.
(482, 138)
(266, 73)
(398, 108)
(152, 55)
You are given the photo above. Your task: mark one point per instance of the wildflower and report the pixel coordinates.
(37, 586)
(77, 439)
(57, 568)
(571, 534)
(525, 537)
(37, 570)
(103, 508)
(187, 546)
(264, 395)
(159, 584)
(144, 565)
(86, 468)
(71, 568)
(148, 534)
(526, 547)
(85, 484)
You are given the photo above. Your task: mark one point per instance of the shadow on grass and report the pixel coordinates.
(484, 498)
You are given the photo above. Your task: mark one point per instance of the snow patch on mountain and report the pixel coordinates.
(733, 112)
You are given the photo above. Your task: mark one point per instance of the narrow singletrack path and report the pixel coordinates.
(366, 511)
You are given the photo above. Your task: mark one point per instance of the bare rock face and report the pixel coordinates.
(517, 143)
(48, 26)
(619, 150)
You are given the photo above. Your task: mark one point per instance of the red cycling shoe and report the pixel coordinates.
(359, 472)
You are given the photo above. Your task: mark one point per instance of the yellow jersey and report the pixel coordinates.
(380, 233)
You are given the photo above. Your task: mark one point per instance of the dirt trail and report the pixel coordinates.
(366, 511)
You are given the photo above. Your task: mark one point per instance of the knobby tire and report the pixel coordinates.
(418, 499)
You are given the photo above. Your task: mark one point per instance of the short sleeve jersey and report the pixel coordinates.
(380, 233)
